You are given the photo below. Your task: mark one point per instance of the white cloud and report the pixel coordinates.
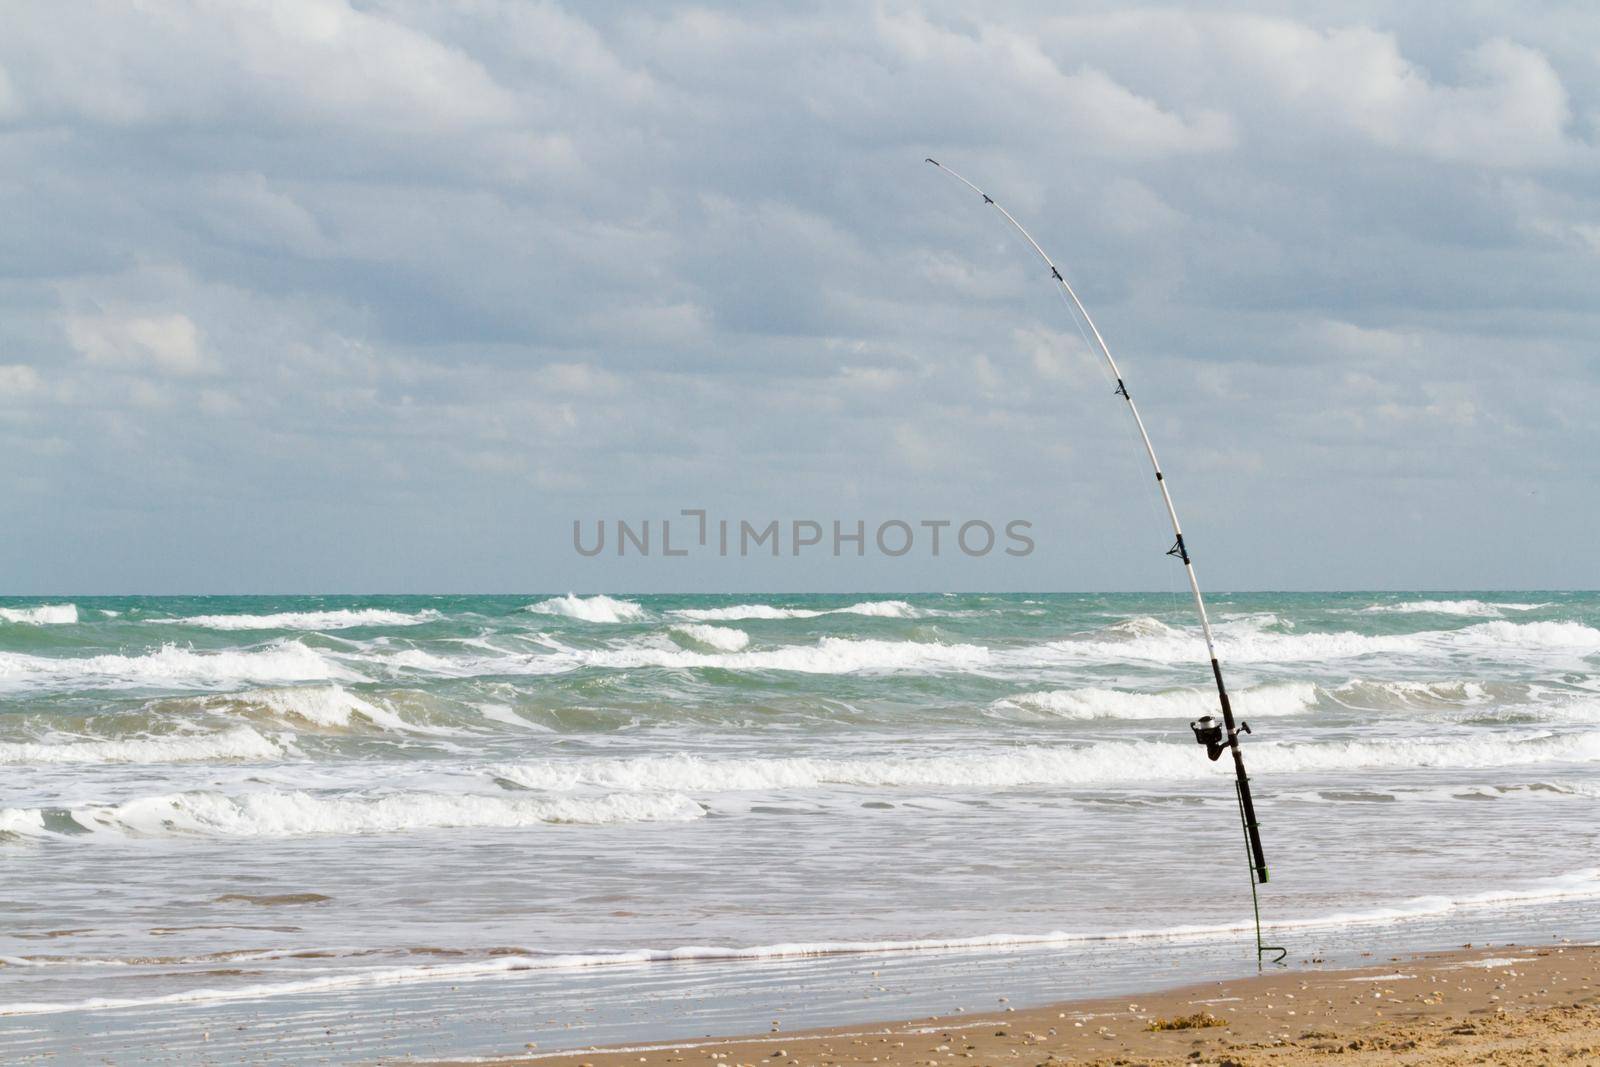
(1294, 79)
(1552, 215)
(1347, 338)
(317, 62)
(580, 378)
(17, 379)
(1132, 207)
(219, 402)
(168, 344)
(869, 379)
(1102, 116)
(914, 447)
(1057, 354)
(1509, 110)
(653, 324)
(249, 209)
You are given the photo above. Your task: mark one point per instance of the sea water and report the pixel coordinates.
(343, 826)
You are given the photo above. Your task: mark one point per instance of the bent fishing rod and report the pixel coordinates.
(1216, 738)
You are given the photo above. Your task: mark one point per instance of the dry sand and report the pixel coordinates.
(1501, 1005)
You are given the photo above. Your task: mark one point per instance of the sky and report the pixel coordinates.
(314, 296)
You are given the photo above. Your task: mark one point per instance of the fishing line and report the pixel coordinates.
(1216, 737)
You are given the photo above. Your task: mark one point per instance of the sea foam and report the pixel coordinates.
(1141, 626)
(1289, 698)
(1382, 695)
(1469, 608)
(720, 638)
(830, 655)
(714, 648)
(1578, 885)
(274, 813)
(341, 619)
(1256, 647)
(882, 609)
(598, 608)
(42, 615)
(1116, 761)
(241, 743)
(328, 706)
(170, 666)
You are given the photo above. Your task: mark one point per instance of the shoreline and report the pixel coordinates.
(1534, 1004)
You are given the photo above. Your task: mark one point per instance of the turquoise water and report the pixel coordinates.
(275, 801)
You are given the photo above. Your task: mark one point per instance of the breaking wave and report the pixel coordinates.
(241, 743)
(1289, 698)
(720, 638)
(847, 655)
(740, 612)
(1469, 608)
(1141, 626)
(342, 619)
(1532, 635)
(171, 667)
(1114, 761)
(298, 813)
(328, 706)
(1257, 647)
(598, 608)
(1385, 695)
(711, 647)
(1494, 700)
(42, 615)
(830, 655)
(883, 609)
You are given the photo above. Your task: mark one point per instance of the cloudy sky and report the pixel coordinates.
(381, 296)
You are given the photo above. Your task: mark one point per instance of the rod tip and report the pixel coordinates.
(930, 159)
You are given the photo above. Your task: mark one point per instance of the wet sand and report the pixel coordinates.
(1503, 1005)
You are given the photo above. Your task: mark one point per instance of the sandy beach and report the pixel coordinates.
(1501, 1004)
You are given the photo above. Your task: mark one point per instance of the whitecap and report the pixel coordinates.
(170, 666)
(882, 609)
(341, 619)
(1141, 626)
(42, 615)
(741, 612)
(598, 608)
(1289, 698)
(242, 743)
(719, 638)
(1114, 761)
(1469, 607)
(1248, 647)
(323, 705)
(830, 655)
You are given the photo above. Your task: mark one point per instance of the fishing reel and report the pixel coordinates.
(1208, 732)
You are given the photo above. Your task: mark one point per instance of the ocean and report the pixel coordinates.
(338, 827)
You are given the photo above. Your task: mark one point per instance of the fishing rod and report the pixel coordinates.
(1217, 738)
